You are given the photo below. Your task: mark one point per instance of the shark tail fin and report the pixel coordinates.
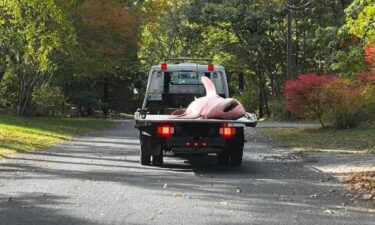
(209, 86)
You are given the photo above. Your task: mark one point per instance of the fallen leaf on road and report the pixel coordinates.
(367, 196)
(224, 203)
(177, 194)
(329, 211)
(284, 198)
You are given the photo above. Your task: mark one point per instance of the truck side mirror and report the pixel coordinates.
(240, 82)
(137, 83)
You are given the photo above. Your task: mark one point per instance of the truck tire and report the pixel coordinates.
(236, 160)
(157, 160)
(223, 159)
(145, 159)
(236, 157)
(144, 156)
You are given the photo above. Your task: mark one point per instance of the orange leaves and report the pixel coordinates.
(106, 28)
(370, 55)
(108, 16)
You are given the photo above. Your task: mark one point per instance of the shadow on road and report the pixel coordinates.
(262, 188)
(36, 208)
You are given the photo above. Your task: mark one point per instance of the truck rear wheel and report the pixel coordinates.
(236, 160)
(223, 159)
(144, 156)
(145, 159)
(236, 156)
(157, 160)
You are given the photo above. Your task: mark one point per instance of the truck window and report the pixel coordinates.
(186, 77)
(171, 90)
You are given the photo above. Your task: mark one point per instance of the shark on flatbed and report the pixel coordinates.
(211, 106)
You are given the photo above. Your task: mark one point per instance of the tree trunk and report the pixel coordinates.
(265, 96)
(105, 96)
(261, 93)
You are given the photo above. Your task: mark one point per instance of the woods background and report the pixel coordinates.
(79, 57)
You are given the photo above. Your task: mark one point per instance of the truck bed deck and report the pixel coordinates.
(170, 118)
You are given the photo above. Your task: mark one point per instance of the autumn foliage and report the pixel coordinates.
(340, 102)
(303, 97)
(366, 77)
(107, 25)
(370, 55)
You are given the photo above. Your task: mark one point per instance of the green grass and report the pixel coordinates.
(303, 139)
(19, 134)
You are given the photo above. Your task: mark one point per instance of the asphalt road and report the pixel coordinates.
(97, 180)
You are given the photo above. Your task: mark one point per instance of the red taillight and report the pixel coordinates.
(165, 131)
(228, 132)
(211, 67)
(164, 66)
(204, 144)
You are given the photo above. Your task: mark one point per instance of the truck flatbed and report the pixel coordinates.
(170, 119)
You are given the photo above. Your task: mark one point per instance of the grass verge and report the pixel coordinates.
(316, 139)
(21, 134)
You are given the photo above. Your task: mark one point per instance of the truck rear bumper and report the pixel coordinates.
(196, 150)
(211, 142)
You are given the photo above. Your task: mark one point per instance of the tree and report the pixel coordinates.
(357, 32)
(104, 57)
(361, 19)
(33, 31)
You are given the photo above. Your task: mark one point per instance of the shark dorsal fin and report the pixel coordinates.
(209, 86)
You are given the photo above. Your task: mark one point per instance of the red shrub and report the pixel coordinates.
(370, 55)
(366, 77)
(303, 94)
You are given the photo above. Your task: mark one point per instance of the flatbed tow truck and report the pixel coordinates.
(174, 86)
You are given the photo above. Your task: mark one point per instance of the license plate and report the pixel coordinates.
(154, 97)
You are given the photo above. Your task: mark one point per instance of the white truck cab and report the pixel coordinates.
(169, 83)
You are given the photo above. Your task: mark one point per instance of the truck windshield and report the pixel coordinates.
(186, 77)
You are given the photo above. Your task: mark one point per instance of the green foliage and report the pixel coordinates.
(32, 32)
(86, 45)
(48, 100)
(8, 91)
(361, 19)
(249, 100)
(277, 108)
(87, 101)
(368, 101)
